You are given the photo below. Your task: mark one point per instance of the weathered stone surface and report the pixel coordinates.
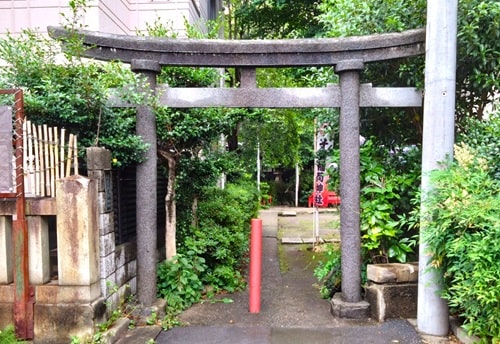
(77, 231)
(125, 253)
(7, 293)
(392, 273)
(126, 272)
(6, 314)
(6, 254)
(39, 253)
(392, 300)
(107, 244)
(350, 310)
(106, 223)
(57, 323)
(34, 206)
(248, 53)
(98, 159)
(52, 293)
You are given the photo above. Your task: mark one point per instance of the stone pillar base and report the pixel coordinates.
(57, 323)
(65, 311)
(350, 310)
(397, 300)
(392, 290)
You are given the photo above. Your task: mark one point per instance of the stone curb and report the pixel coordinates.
(116, 331)
(461, 334)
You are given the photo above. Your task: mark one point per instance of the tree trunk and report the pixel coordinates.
(171, 217)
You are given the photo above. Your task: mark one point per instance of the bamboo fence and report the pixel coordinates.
(49, 154)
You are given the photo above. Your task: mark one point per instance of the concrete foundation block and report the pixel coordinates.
(57, 323)
(349, 310)
(397, 300)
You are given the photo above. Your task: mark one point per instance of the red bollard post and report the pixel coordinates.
(255, 265)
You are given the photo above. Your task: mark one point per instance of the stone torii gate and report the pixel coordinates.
(348, 55)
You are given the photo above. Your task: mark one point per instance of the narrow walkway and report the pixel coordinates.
(291, 309)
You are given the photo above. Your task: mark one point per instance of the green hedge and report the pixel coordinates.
(463, 236)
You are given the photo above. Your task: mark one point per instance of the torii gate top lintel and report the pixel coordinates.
(249, 53)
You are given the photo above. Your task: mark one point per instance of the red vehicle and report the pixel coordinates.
(331, 199)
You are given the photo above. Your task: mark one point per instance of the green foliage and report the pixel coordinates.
(462, 233)
(179, 282)
(328, 271)
(389, 181)
(70, 94)
(221, 236)
(483, 136)
(273, 19)
(356, 18)
(260, 128)
(212, 249)
(478, 57)
(8, 336)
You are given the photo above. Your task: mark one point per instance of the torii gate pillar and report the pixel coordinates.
(349, 303)
(146, 202)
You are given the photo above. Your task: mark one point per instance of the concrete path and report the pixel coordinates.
(291, 308)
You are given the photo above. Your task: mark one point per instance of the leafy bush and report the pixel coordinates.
(213, 248)
(328, 271)
(463, 236)
(389, 180)
(222, 234)
(71, 93)
(179, 280)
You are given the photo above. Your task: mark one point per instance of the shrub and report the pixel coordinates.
(463, 236)
(221, 236)
(213, 249)
(328, 271)
(179, 282)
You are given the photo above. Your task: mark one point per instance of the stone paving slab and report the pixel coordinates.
(394, 331)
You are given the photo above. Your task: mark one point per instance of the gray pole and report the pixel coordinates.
(438, 139)
(349, 180)
(146, 190)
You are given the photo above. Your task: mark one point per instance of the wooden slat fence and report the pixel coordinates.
(49, 154)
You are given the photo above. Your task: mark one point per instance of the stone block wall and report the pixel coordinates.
(118, 265)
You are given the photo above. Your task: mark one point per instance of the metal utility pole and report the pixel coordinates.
(438, 140)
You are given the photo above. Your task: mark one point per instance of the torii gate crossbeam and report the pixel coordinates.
(348, 55)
